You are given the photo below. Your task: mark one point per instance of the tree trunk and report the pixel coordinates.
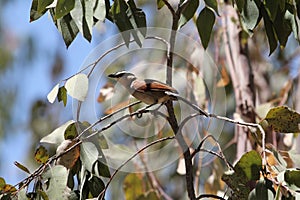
(242, 77)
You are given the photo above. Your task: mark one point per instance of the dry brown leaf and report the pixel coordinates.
(225, 80)
(106, 92)
(69, 159)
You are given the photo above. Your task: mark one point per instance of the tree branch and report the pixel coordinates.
(101, 195)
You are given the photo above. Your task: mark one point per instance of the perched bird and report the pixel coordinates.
(148, 91)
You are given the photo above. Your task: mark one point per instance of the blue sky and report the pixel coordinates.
(34, 81)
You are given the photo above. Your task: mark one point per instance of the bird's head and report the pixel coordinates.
(124, 77)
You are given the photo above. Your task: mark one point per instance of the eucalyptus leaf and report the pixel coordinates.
(120, 18)
(34, 14)
(188, 12)
(272, 7)
(67, 27)
(283, 119)
(88, 20)
(42, 5)
(262, 190)
(77, 86)
(57, 136)
(270, 31)
(205, 23)
(213, 4)
(100, 10)
(57, 177)
(63, 7)
(250, 14)
(62, 95)
(88, 154)
(53, 93)
(77, 15)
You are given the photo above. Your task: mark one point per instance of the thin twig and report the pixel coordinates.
(101, 195)
(202, 196)
(194, 106)
(106, 117)
(169, 7)
(153, 180)
(247, 124)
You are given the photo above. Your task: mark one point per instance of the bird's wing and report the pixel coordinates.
(152, 85)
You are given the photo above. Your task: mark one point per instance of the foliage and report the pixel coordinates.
(264, 172)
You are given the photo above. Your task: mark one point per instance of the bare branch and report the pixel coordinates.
(169, 7)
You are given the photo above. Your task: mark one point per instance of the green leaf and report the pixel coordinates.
(22, 167)
(250, 15)
(118, 12)
(88, 154)
(95, 185)
(34, 14)
(138, 21)
(283, 119)
(213, 4)
(41, 155)
(67, 27)
(2, 183)
(57, 177)
(43, 194)
(249, 165)
(271, 7)
(290, 19)
(100, 10)
(100, 169)
(263, 190)
(205, 23)
(160, 4)
(77, 86)
(62, 95)
(246, 170)
(240, 5)
(63, 8)
(88, 20)
(133, 186)
(270, 31)
(70, 132)
(188, 12)
(77, 15)
(292, 177)
(42, 4)
(57, 136)
(282, 5)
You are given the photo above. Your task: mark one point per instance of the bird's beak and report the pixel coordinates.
(112, 76)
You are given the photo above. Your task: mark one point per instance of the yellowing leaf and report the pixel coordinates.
(41, 155)
(77, 86)
(53, 94)
(283, 119)
(62, 95)
(133, 186)
(22, 167)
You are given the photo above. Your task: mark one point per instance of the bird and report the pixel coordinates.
(148, 91)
